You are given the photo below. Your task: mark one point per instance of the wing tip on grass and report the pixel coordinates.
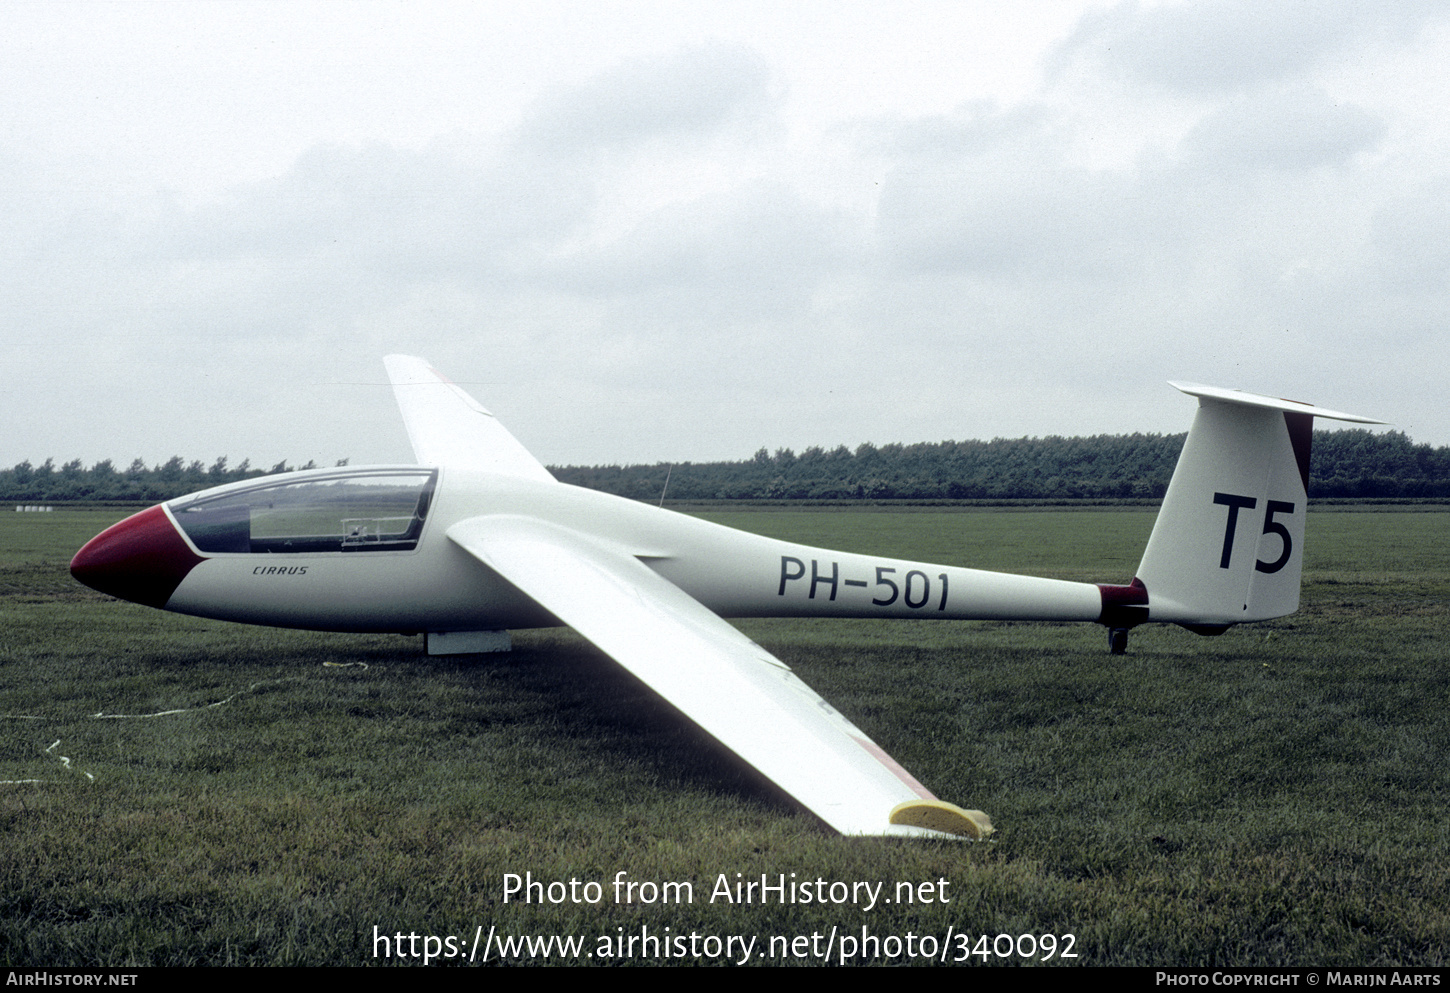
(938, 815)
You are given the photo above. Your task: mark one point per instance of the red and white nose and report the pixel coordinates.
(142, 559)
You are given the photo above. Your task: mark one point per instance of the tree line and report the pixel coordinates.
(1346, 463)
(103, 481)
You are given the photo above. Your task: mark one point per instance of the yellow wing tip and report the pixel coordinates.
(938, 815)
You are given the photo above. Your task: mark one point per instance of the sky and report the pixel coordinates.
(670, 232)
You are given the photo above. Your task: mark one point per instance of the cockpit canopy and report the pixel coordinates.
(359, 510)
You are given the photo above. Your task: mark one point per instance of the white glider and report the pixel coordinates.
(479, 538)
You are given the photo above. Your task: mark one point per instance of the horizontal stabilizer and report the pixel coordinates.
(1270, 403)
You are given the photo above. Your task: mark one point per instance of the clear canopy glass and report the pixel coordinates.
(364, 510)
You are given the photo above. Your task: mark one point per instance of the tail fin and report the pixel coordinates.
(1228, 545)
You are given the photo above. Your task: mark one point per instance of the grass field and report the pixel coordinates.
(182, 791)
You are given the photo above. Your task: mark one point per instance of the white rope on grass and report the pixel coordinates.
(102, 715)
(66, 763)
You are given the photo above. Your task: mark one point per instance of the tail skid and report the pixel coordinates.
(1228, 545)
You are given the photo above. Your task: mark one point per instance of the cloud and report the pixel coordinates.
(996, 193)
(687, 95)
(1216, 47)
(1411, 238)
(667, 260)
(1290, 128)
(476, 213)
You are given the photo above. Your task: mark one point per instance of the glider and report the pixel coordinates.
(478, 538)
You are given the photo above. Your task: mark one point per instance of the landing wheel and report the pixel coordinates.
(1118, 641)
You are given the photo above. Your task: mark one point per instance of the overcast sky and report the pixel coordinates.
(645, 232)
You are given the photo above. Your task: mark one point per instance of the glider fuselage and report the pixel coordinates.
(338, 580)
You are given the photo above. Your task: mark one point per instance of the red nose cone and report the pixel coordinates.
(142, 559)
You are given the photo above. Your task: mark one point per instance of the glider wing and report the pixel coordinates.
(734, 689)
(448, 427)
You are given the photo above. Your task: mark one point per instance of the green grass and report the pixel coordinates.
(1276, 795)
